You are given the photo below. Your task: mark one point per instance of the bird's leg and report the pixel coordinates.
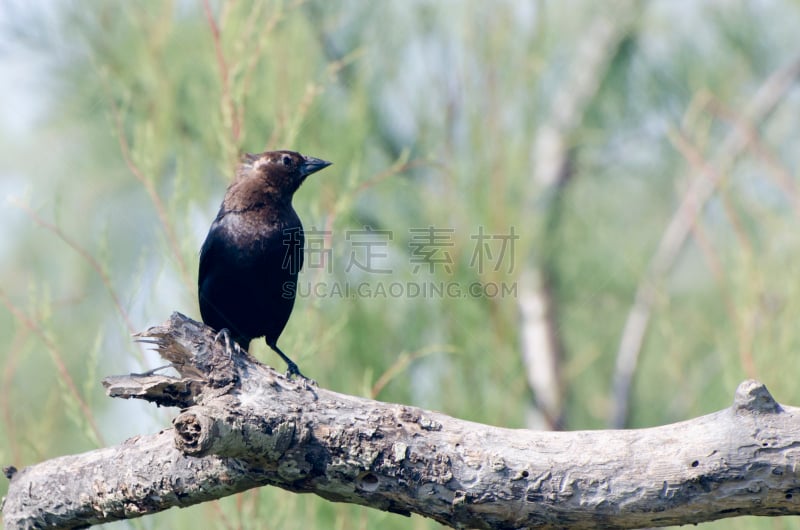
(293, 369)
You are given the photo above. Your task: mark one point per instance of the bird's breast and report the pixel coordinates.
(262, 240)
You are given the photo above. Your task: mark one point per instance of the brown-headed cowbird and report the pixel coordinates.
(254, 250)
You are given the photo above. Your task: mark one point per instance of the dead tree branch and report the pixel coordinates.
(243, 425)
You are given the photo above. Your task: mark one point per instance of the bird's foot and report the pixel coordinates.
(307, 383)
(293, 371)
(231, 346)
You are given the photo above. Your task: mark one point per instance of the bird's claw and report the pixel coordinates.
(230, 344)
(293, 371)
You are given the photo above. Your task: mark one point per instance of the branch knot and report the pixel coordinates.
(752, 396)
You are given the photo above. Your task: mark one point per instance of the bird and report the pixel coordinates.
(253, 252)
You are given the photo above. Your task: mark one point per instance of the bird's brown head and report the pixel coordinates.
(277, 174)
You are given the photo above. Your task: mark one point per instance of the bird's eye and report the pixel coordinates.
(287, 160)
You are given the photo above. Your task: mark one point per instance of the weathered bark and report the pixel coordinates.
(243, 425)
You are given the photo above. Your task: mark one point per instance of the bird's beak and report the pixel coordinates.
(312, 165)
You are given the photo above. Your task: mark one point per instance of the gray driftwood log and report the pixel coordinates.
(243, 425)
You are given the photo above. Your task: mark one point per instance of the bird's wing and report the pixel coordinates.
(210, 247)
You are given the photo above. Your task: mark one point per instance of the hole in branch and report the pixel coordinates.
(368, 482)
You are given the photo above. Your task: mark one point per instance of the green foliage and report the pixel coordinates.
(430, 112)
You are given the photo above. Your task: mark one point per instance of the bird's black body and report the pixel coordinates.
(254, 250)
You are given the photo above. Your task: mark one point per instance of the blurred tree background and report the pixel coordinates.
(549, 214)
